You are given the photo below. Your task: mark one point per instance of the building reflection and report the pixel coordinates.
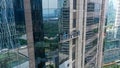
(112, 40)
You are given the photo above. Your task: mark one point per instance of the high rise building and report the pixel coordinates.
(112, 38)
(81, 34)
(80, 25)
(32, 20)
(34, 30)
(9, 55)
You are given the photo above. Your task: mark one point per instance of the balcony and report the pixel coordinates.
(90, 57)
(92, 39)
(90, 61)
(91, 50)
(92, 14)
(91, 27)
(90, 34)
(92, 21)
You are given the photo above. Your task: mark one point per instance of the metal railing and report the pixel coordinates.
(66, 37)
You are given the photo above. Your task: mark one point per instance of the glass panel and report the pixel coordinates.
(74, 41)
(73, 53)
(74, 19)
(74, 4)
(21, 32)
(74, 23)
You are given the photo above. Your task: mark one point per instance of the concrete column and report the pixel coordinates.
(101, 34)
(29, 30)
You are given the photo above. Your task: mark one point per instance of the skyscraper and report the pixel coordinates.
(81, 32)
(9, 55)
(34, 29)
(32, 12)
(84, 34)
(111, 41)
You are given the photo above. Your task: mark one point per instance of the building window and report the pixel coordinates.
(73, 53)
(74, 19)
(90, 7)
(90, 20)
(74, 15)
(74, 41)
(96, 20)
(74, 4)
(73, 65)
(95, 42)
(74, 23)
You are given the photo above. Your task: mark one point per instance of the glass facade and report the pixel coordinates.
(31, 32)
(19, 16)
(64, 31)
(38, 33)
(74, 4)
(10, 56)
(41, 35)
(112, 38)
(51, 34)
(45, 36)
